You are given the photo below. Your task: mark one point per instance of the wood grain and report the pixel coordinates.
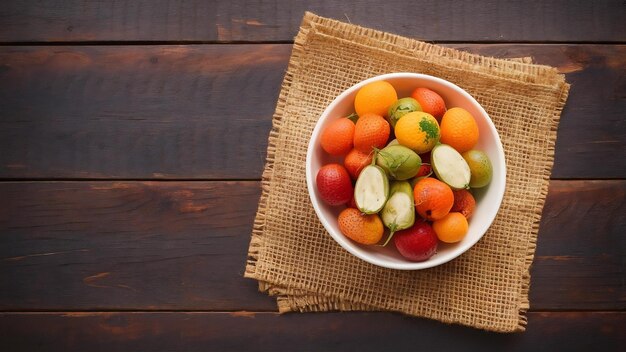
(278, 20)
(137, 111)
(204, 111)
(591, 140)
(127, 245)
(585, 222)
(245, 331)
(183, 245)
(102, 262)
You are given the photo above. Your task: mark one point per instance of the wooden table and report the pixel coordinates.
(132, 140)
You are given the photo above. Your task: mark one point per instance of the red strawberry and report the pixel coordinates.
(417, 243)
(334, 184)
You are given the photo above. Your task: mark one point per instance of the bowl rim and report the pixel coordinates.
(342, 240)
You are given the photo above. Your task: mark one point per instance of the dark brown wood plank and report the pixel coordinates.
(243, 331)
(183, 245)
(204, 112)
(137, 112)
(581, 247)
(278, 20)
(127, 245)
(591, 141)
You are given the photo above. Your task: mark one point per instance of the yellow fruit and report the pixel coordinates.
(418, 131)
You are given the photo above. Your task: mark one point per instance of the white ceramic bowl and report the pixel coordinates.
(488, 199)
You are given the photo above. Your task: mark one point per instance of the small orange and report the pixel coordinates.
(430, 101)
(433, 198)
(337, 138)
(371, 130)
(451, 228)
(361, 228)
(356, 160)
(459, 129)
(375, 98)
(418, 131)
(464, 203)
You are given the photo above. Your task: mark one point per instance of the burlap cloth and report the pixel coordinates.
(293, 257)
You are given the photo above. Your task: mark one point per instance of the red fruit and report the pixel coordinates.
(352, 203)
(464, 203)
(425, 170)
(417, 243)
(430, 101)
(334, 184)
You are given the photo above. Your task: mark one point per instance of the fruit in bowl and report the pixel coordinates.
(405, 170)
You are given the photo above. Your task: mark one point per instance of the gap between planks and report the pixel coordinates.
(289, 42)
(203, 311)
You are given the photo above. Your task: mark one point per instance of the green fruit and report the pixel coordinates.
(480, 168)
(399, 162)
(399, 211)
(393, 142)
(400, 108)
(401, 186)
(371, 190)
(450, 167)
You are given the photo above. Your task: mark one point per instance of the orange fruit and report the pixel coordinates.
(433, 198)
(430, 101)
(464, 203)
(418, 131)
(371, 130)
(337, 138)
(459, 129)
(361, 228)
(451, 228)
(356, 160)
(375, 98)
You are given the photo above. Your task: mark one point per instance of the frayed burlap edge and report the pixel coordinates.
(521, 69)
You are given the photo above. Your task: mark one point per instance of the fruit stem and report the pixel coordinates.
(392, 230)
(376, 151)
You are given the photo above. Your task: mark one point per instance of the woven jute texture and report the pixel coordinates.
(294, 258)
